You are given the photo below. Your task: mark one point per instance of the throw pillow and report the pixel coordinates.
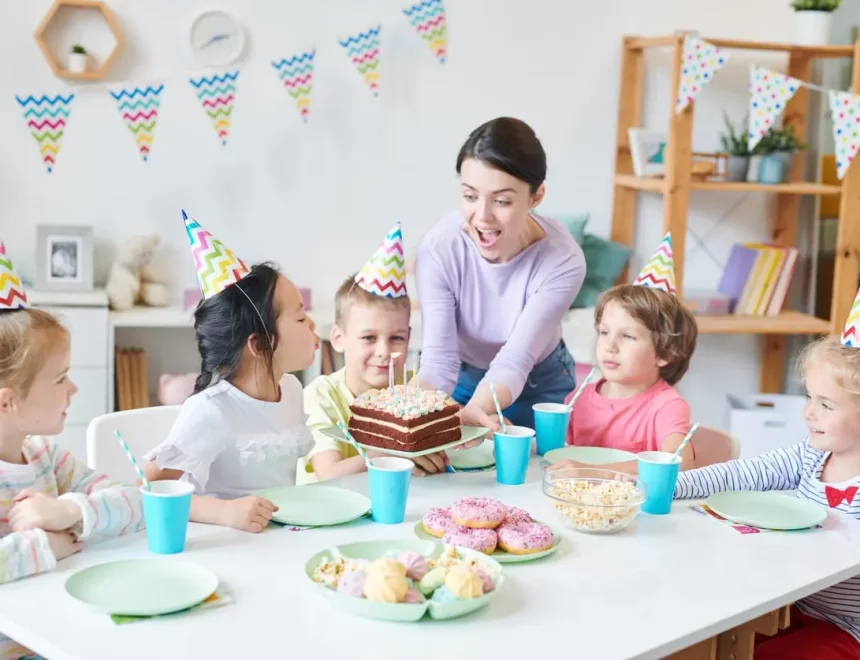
(575, 225)
(604, 261)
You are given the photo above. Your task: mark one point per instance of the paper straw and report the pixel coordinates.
(581, 387)
(498, 408)
(132, 459)
(686, 439)
(352, 441)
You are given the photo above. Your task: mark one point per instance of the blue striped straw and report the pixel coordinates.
(686, 439)
(132, 459)
(352, 441)
(581, 387)
(498, 408)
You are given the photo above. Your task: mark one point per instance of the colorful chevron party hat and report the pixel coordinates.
(385, 273)
(659, 272)
(12, 294)
(217, 266)
(851, 333)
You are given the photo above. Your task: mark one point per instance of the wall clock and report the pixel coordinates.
(217, 38)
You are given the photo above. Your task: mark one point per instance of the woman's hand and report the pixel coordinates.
(430, 464)
(475, 416)
(34, 510)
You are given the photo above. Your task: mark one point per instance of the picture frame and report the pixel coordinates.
(64, 258)
(646, 150)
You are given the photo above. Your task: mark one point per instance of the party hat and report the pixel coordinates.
(385, 273)
(659, 272)
(217, 266)
(12, 294)
(851, 333)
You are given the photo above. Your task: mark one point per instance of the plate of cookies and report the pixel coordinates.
(491, 527)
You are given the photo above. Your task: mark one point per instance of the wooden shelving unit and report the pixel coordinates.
(677, 184)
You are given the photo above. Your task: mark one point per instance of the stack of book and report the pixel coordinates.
(131, 379)
(757, 278)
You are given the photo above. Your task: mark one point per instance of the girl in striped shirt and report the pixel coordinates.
(823, 468)
(49, 502)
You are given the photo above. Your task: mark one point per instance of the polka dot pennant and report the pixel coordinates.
(845, 111)
(701, 61)
(770, 92)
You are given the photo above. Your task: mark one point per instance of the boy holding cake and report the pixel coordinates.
(372, 312)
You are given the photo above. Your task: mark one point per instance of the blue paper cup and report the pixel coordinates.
(166, 508)
(513, 449)
(388, 479)
(658, 470)
(551, 421)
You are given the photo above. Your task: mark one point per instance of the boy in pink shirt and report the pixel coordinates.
(645, 339)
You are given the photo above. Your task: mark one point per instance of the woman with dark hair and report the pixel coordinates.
(494, 281)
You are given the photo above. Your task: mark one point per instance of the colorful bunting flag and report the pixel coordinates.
(659, 272)
(363, 51)
(770, 92)
(296, 73)
(12, 293)
(845, 112)
(217, 266)
(701, 61)
(428, 19)
(216, 95)
(385, 273)
(47, 119)
(139, 108)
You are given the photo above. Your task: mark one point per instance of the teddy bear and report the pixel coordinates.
(133, 278)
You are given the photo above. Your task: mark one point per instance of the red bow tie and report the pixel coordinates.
(835, 497)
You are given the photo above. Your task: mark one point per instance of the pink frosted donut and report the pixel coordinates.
(524, 538)
(478, 512)
(437, 521)
(515, 515)
(482, 540)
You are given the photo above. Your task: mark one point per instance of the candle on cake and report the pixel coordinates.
(391, 359)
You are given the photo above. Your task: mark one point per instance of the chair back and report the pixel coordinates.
(714, 446)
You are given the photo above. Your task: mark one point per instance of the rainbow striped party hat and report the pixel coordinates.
(851, 333)
(385, 273)
(12, 294)
(217, 266)
(659, 272)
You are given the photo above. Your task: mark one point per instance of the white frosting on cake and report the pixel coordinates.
(406, 403)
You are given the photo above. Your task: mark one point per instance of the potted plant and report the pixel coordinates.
(78, 59)
(776, 150)
(812, 21)
(736, 145)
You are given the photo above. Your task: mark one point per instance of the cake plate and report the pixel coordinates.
(467, 434)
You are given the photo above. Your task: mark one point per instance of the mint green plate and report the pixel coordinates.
(467, 434)
(402, 612)
(499, 555)
(142, 587)
(316, 506)
(767, 510)
(473, 458)
(589, 455)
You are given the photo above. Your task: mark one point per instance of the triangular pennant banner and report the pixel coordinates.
(139, 109)
(296, 74)
(385, 273)
(217, 267)
(851, 333)
(701, 61)
(363, 52)
(12, 293)
(659, 272)
(770, 92)
(217, 94)
(845, 111)
(428, 19)
(46, 117)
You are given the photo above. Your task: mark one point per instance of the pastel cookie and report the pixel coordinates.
(482, 540)
(524, 538)
(437, 521)
(478, 512)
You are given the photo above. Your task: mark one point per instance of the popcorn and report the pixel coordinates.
(596, 507)
(329, 571)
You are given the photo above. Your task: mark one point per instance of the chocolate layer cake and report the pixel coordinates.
(408, 419)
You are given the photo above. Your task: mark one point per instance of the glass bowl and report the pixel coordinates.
(593, 500)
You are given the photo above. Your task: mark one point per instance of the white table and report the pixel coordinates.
(664, 584)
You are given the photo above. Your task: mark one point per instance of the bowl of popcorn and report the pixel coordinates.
(593, 500)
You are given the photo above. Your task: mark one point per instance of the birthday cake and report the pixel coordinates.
(405, 419)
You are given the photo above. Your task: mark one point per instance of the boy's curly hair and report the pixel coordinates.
(843, 361)
(673, 328)
(349, 293)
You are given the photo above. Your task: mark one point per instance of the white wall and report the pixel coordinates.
(318, 197)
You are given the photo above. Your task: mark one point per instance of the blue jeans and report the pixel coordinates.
(549, 382)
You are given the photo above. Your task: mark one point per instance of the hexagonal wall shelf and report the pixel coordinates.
(52, 23)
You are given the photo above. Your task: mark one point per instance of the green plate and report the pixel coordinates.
(589, 455)
(142, 587)
(467, 434)
(316, 506)
(499, 555)
(402, 612)
(473, 458)
(767, 510)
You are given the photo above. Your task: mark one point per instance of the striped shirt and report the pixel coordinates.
(794, 468)
(108, 509)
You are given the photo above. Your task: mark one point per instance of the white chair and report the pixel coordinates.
(142, 429)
